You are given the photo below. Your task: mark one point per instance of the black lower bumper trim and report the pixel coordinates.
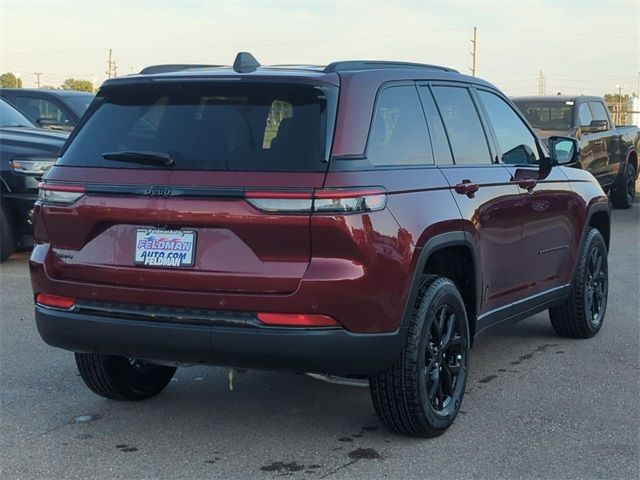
(332, 351)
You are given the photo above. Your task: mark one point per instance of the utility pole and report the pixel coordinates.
(541, 84)
(474, 51)
(111, 65)
(37, 74)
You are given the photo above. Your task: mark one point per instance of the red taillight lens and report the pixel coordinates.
(296, 320)
(59, 194)
(55, 301)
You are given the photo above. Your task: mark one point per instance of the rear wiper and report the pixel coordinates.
(145, 158)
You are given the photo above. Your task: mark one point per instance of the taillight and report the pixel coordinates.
(280, 201)
(51, 193)
(296, 320)
(330, 200)
(55, 301)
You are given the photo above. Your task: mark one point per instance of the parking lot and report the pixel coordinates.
(537, 406)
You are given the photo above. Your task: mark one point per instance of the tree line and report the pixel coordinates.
(10, 80)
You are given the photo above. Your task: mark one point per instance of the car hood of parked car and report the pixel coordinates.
(36, 139)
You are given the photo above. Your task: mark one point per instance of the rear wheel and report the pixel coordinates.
(581, 315)
(121, 378)
(624, 191)
(7, 234)
(421, 394)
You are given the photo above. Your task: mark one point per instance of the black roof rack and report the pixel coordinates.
(173, 68)
(373, 64)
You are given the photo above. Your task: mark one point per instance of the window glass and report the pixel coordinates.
(78, 103)
(547, 114)
(599, 113)
(211, 126)
(584, 115)
(517, 143)
(439, 142)
(280, 109)
(399, 133)
(461, 120)
(40, 109)
(10, 117)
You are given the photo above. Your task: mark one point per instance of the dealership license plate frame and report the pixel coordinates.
(168, 234)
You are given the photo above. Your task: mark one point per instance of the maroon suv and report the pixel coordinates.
(364, 219)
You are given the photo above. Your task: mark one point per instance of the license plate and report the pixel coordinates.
(165, 248)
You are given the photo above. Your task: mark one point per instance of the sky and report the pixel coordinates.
(581, 47)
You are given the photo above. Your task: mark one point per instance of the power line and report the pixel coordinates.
(241, 45)
(570, 34)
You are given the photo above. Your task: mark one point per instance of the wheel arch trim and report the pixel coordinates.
(433, 245)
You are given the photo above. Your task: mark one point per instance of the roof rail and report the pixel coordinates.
(173, 68)
(373, 64)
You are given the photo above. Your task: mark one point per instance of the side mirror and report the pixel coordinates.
(564, 150)
(596, 126)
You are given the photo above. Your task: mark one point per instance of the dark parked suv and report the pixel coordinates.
(364, 219)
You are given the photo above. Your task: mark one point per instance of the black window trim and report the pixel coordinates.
(494, 137)
(488, 137)
(365, 156)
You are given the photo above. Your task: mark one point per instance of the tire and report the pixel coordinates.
(121, 378)
(413, 397)
(624, 191)
(7, 234)
(582, 314)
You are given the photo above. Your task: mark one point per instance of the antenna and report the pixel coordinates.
(245, 63)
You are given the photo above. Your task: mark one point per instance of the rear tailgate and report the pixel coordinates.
(235, 150)
(237, 247)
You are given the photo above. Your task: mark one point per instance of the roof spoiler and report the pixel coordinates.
(172, 68)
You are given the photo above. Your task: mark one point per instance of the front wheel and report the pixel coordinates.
(421, 394)
(121, 378)
(582, 314)
(624, 191)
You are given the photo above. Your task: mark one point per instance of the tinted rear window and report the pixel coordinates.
(548, 115)
(217, 126)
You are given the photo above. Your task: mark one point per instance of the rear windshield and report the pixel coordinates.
(548, 115)
(227, 126)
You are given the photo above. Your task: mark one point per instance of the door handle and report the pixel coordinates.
(527, 184)
(467, 187)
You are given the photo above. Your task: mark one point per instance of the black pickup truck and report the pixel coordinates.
(26, 152)
(609, 152)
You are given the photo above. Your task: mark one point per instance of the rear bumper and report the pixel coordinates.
(332, 351)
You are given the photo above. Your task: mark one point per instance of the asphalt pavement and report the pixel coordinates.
(537, 406)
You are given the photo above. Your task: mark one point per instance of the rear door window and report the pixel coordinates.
(221, 126)
(399, 135)
(439, 141)
(460, 117)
